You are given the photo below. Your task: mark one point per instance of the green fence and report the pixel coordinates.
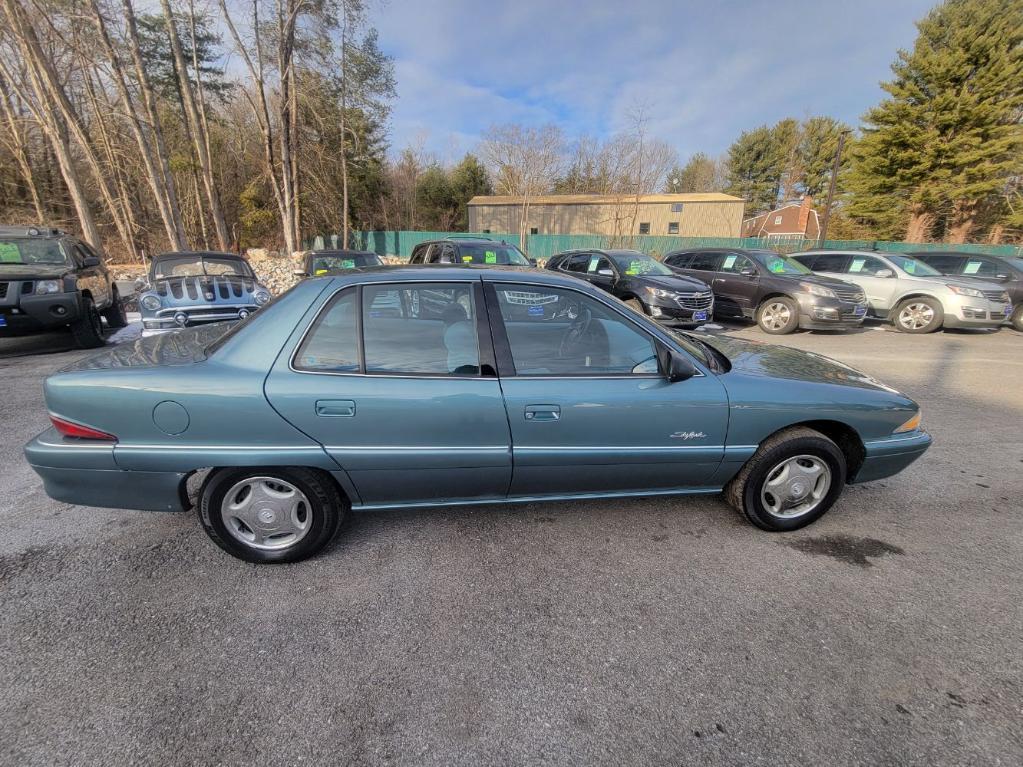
(543, 246)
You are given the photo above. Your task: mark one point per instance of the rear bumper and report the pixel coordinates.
(887, 457)
(84, 473)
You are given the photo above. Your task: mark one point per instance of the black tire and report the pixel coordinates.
(902, 316)
(743, 493)
(325, 509)
(778, 316)
(114, 314)
(1016, 318)
(636, 304)
(88, 329)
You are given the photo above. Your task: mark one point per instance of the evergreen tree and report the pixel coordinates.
(937, 156)
(468, 179)
(700, 174)
(817, 146)
(756, 163)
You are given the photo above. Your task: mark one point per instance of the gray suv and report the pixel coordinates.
(914, 296)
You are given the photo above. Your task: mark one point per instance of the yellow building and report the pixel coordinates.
(710, 214)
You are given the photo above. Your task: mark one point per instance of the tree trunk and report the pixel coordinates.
(964, 218)
(920, 224)
(20, 151)
(996, 234)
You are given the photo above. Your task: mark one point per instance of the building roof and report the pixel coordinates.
(602, 199)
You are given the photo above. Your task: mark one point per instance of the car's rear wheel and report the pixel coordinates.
(88, 329)
(636, 304)
(919, 315)
(271, 514)
(792, 480)
(778, 316)
(115, 314)
(1017, 318)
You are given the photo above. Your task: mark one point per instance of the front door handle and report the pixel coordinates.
(543, 413)
(335, 408)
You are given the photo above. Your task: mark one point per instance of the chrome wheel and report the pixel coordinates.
(266, 513)
(776, 315)
(916, 315)
(796, 486)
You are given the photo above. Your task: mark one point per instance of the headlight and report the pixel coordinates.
(817, 290)
(661, 293)
(911, 425)
(47, 286)
(261, 297)
(150, 302)
(965, 291)
(1004, 298)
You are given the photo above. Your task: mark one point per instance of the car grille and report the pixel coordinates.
(850, 294)
(3, 289)
(695, 300)
(528, 298)
(999, 296)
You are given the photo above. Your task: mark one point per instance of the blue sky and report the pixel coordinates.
(703, 71)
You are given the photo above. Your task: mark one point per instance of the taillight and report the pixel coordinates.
(69, 429)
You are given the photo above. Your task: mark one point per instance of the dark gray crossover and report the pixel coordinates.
(49, 279)
(779, 293)
(643, 282)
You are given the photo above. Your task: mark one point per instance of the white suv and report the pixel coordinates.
(914, 296)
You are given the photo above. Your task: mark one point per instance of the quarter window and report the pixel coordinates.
(560, 332)
(332, 344)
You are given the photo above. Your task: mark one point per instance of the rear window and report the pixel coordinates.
(498, 254)
(343, 262)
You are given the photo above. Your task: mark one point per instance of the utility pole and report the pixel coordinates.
(831, 187)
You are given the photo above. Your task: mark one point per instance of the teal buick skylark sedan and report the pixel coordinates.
(430, 386)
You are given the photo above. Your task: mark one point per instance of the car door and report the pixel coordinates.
(588, 409)
(737, 281)
(92, 278)
(397, 382)
(879, 281)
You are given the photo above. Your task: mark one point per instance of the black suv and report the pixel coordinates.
(1008, 270)
(469, 250)
(641, 281)
(316, 263)
(49, 279)
(777, 292)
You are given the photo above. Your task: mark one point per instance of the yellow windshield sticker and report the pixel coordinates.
(635, 267)
(320, 271)
(9, 252)
(910, 267)
(466, 259)
(777, 266)
(857, 264)
(972, 267)
(490, 257)
(729, 262)
(348, 263)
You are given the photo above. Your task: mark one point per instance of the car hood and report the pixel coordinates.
(225, 289)
(33, 271)
(668, 282)
(818, 279)
(178, 347)
(769, 360)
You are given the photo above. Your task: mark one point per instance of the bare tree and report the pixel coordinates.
(525, 163)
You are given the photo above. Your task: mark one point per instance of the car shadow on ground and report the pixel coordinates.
(57, 341)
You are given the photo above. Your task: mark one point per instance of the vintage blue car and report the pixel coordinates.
(185, 289)
(428, 386)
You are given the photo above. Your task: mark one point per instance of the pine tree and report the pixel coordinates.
(937, 157)
(468, 179)
(756, 162)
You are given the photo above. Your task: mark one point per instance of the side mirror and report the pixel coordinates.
(676, 366)
(140, 284)
(532, 262)
(298, 271)
(884, 273)
(748, 272)
(90, 261)
(1003, 277)
(605, 273)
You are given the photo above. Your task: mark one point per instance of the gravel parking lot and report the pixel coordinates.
(648, 631)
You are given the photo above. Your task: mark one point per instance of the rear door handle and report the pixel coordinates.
(335, 408)
(543, 412)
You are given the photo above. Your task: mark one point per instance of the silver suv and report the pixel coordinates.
(914, 296)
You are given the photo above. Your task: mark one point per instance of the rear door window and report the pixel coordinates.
(828, 262)
(705, 262)
(680, 260)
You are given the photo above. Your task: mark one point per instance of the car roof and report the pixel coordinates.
(31, 231)
(202, 253)
(468, 240)
(341, 252)
(453, 272)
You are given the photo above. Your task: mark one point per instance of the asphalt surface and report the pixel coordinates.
(646, 631)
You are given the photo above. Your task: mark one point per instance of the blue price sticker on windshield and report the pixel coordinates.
(536, 311)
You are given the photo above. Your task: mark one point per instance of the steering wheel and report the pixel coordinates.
(576, 332)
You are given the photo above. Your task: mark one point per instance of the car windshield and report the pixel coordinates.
(913, 266)
(777, 264)
(498, 253)
(196, 265)
(634, 263)
(24, 251)
(340, 262)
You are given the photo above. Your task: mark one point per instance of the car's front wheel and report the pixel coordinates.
(792, 480)
(919, 315)
(1017, 318)
(778, 316)
(88, 329)
(115, 314)
(271, 514)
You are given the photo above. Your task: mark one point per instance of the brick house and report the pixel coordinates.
(795, 220)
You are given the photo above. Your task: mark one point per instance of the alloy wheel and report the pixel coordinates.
(776, 315)
(916, 315)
